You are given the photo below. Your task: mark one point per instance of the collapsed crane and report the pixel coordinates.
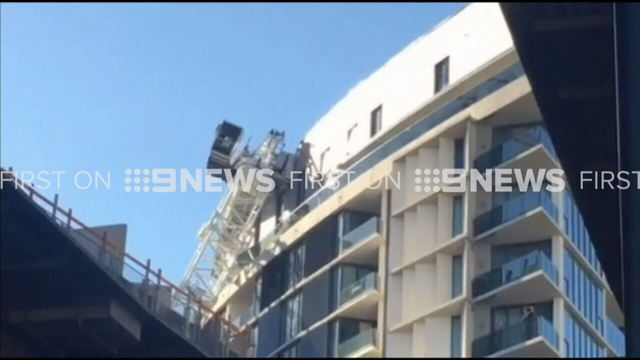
(230, 232)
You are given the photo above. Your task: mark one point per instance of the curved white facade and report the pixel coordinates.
(470, 38)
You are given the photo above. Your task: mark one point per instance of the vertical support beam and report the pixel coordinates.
(383, 271)
(627, 28)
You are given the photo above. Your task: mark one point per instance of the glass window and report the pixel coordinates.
(578, 286)
(458, 156)
(594, 304)
(576, 230)
(456, 337)
(456, 285)
(290, 353)
(601, 310)
(589, 248)
(576, 339)
(295, 266)
(588, 299)
(441, 75)
(583, 244)
(254, 340)
(585, 293)
(376, 121)
(585, 342)
(257, 303)
(458, 215)
(568, 340)
(292, 316)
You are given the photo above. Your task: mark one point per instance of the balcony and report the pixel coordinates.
(533, 337)
(363, 345)
(360, 245)
(534, 144)
(541, 220)
(360, 299)
(615, 338)
(511, 283)
(367, 283)
(364, 231)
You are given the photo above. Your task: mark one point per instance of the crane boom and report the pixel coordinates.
(230, 230)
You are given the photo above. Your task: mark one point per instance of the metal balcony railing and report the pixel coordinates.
(514, 270)
(513, 147)
(512, 335)
(368, 282)
(361, 341)
(177, 308)
(514, 208)
(363, 231)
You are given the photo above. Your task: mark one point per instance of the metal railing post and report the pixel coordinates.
(186, 311)
(55, 206)
(156, 303)
(145, 285)
(147, 270)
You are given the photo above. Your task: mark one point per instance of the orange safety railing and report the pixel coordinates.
(176, 307)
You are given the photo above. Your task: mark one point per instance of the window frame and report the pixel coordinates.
(441, 75)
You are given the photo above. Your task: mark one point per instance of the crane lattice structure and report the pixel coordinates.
(231, 229)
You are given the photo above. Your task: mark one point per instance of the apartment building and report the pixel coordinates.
(394, 268)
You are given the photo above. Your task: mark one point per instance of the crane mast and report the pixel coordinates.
(230, 230)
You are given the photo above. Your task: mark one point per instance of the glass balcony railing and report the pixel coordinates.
(363, 231)
(368, 282)
(514, 270)
(511, 148)
(615, 338)
(514, 208)
(364, 339)
(512, 335)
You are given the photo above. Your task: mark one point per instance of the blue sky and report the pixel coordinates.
(106, 87)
